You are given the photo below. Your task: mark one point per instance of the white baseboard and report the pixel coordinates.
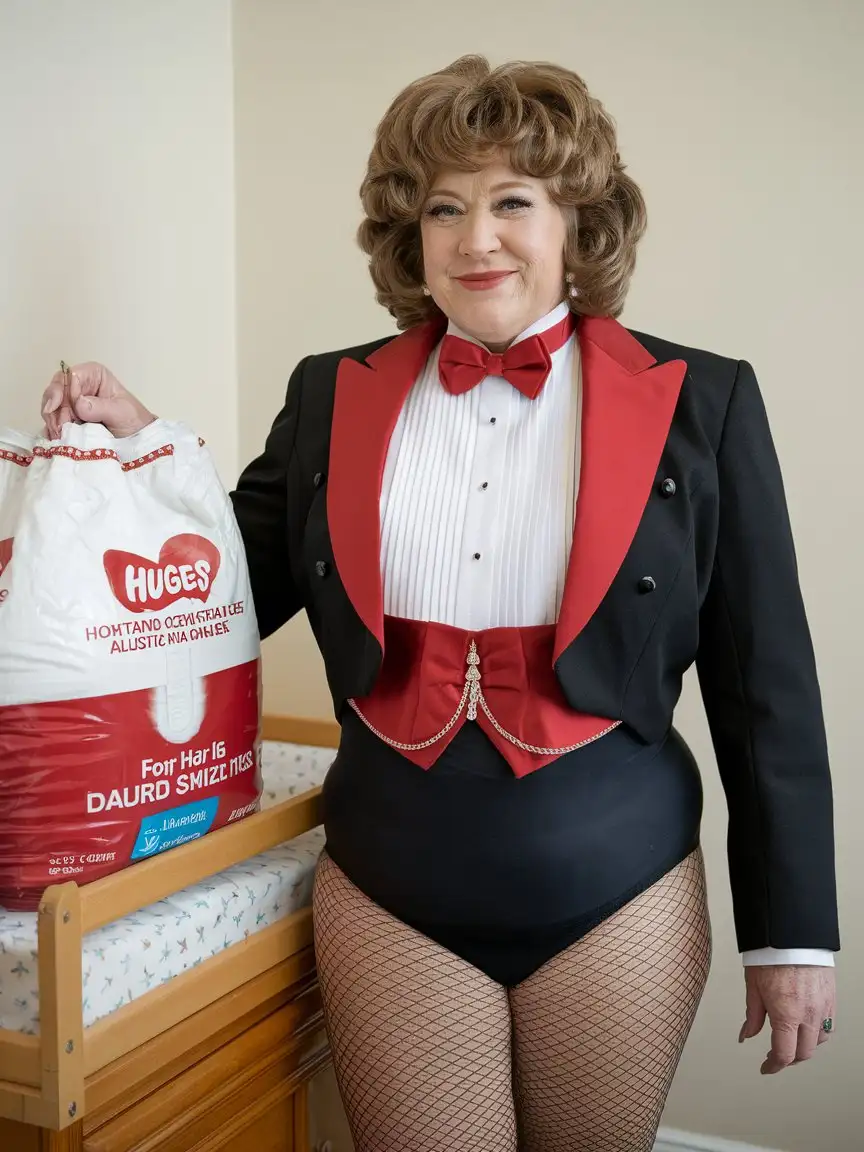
(671, 1140)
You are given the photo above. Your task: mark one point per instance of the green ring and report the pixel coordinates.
(827, 1024)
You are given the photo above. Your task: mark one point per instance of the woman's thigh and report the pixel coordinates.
(599, 1029)
(421, 1040)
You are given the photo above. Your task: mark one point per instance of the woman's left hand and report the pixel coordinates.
(797, 999)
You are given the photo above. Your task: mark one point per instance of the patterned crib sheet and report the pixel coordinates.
(126, 959)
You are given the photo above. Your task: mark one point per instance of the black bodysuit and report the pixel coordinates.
(504, 871)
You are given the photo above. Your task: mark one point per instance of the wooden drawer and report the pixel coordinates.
(275, 1124)
(241, 1090)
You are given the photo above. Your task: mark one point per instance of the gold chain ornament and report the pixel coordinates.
(472, 695)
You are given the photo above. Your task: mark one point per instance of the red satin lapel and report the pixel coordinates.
(618, 344)
(628, 402)
(369, 397)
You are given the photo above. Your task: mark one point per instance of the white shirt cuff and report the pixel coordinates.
(821, 957)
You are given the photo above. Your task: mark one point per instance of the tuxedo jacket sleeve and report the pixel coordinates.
(261, 506)
(758, 677)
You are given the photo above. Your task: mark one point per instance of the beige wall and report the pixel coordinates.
(117, 204)
(742, 121)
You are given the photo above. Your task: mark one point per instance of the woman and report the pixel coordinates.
(513, 528)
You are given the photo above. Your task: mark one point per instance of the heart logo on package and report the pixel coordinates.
(186, 569)
(5, 554)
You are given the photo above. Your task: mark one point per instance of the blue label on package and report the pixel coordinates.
(169, 829)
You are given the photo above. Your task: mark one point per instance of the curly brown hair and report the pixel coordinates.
(543, 117)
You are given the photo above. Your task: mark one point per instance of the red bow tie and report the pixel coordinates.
(526, 365)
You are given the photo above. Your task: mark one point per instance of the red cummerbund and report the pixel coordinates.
(436, 678)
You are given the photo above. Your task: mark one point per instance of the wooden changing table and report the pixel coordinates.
(220, 1057)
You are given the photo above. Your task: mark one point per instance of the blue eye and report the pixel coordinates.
(442, 210)
(514, 202)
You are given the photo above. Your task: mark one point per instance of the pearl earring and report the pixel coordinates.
(572, 289)
(426, 291)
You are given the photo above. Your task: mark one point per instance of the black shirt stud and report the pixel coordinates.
(321, 567)
(647, 584)
(668, 487)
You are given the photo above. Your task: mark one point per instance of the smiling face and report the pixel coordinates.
(493, 251)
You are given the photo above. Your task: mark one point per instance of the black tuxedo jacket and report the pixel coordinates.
(682, 552)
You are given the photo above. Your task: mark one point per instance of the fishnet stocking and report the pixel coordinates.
(420, 1038)
(599, 1029)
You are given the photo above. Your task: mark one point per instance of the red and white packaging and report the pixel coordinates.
(129, 655)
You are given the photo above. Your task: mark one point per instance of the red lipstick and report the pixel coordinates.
(480, 281)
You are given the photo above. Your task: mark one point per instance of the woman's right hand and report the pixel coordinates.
(90, 394)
